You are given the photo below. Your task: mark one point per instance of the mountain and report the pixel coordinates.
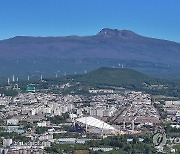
(127, 78)
(117, 77)
(23, 55)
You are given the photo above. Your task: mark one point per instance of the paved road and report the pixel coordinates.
(117, 114)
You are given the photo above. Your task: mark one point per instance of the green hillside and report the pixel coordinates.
(107, 77)
(117, 77)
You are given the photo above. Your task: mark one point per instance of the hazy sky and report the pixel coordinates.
(154, 18)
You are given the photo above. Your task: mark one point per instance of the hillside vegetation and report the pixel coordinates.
(118, 77)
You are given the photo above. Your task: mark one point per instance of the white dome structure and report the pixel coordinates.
(93, 122)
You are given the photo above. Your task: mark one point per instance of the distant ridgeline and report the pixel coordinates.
(25, 56)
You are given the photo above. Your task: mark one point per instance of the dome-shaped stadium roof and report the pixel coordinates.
(93, 122)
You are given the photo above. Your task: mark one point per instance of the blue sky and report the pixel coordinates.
(154, 18)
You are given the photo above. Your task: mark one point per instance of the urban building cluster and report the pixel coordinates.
(172, 109)
(30, 114)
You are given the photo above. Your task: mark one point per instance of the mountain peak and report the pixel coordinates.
(107, 32)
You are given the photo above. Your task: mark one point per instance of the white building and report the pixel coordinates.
(7, 142)
(172, 103)
(12, 121)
